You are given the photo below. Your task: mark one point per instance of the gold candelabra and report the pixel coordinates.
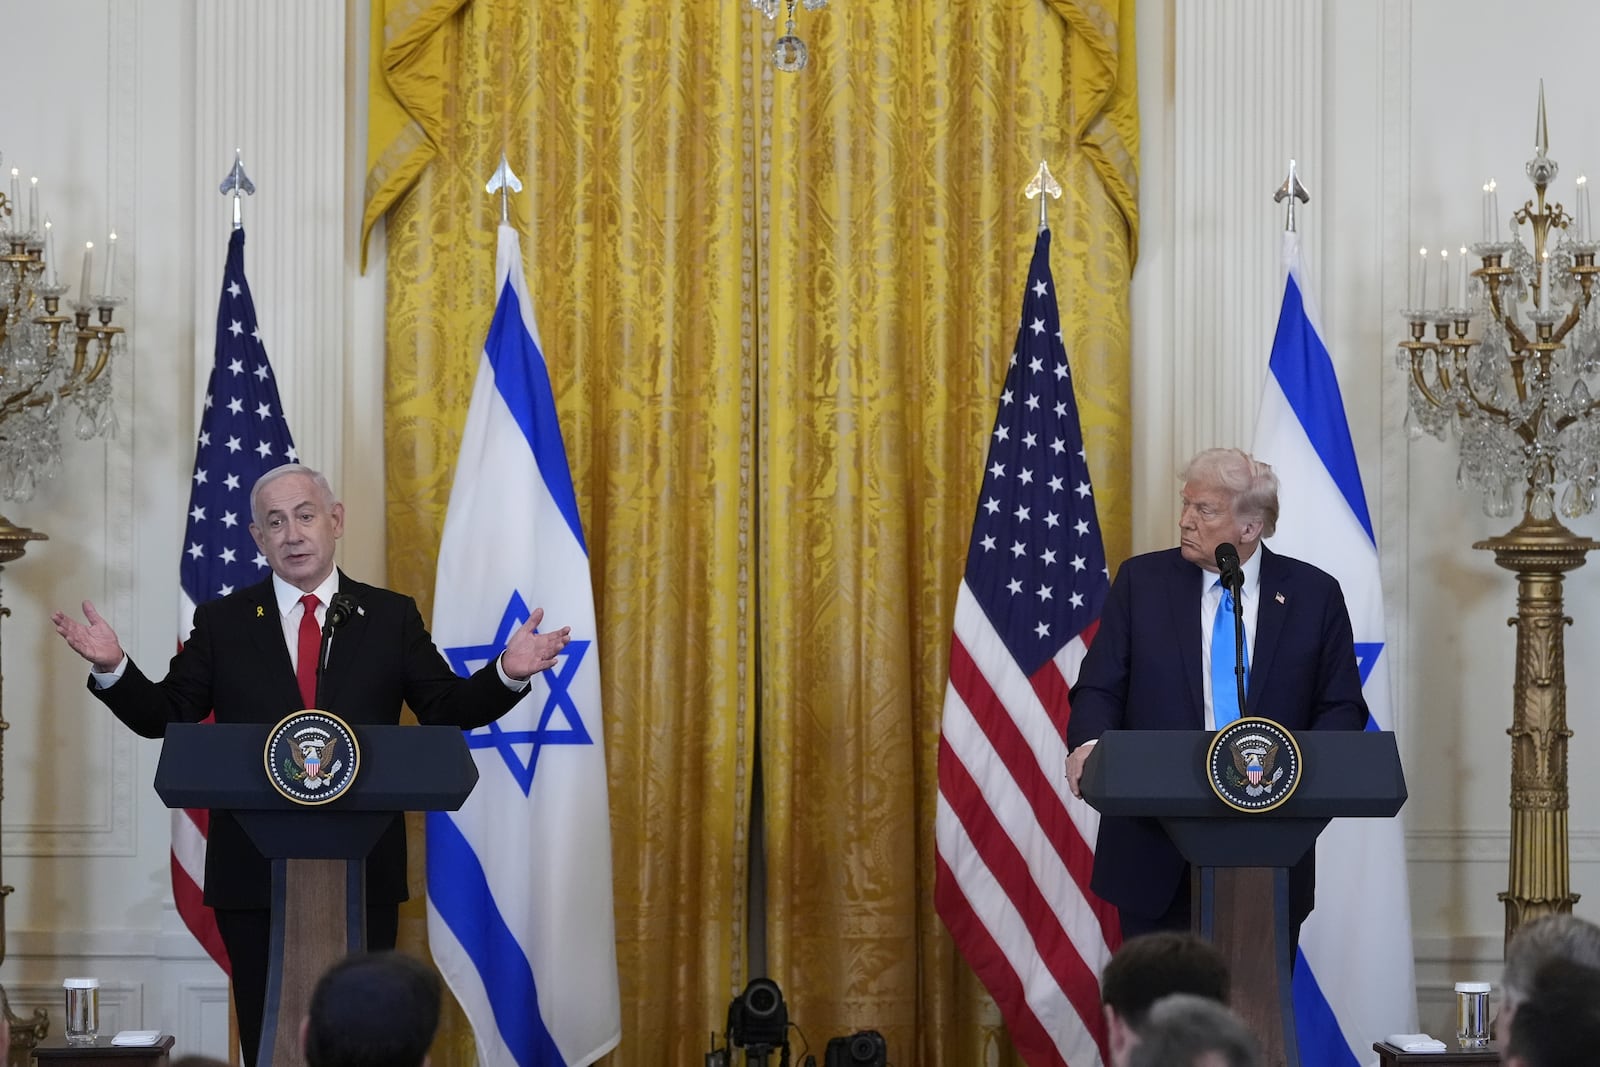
(1518, 397)
(48, 362)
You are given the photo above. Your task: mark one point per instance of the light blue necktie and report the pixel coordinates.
(1224, 689)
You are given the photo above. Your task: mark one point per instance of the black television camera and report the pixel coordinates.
(864, 1048)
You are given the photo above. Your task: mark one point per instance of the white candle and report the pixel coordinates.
(88, 268)
(1444, 277)
(111, 264)
(33, 206)
(1488, 219)
(1422, 280)
(1494, 211)
(50, 276)
(1461, 301)
(1583, 207)
(1544, 281)
(15, 226)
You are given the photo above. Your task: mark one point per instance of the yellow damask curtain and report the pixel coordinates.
(776, 309)
(898, 251)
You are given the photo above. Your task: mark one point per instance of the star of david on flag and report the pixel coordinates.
(519, 880)
(558, 703)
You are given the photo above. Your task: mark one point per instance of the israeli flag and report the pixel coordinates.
(1353, 980)
(519, 880)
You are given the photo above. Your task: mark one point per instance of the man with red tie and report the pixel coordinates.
(252, 657)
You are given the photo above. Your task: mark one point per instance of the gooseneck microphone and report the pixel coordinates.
(1233, 581)
(340, 608)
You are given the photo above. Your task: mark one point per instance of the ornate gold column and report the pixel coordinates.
(1540, 552)
(25, 1033)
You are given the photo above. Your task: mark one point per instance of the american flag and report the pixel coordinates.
(243, 435)
(1015, 848)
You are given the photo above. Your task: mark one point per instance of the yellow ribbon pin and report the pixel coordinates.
(261, 612)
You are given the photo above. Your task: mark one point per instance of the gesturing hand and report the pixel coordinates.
(97, 642)
(528, 653)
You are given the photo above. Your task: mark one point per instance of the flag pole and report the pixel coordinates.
(504, 180)
(1043, 183)
(239, 184)
(1291, 190)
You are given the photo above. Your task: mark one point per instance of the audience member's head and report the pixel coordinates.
(1558, 1019)
(1189, 1031)
(1147, 968)
(372, 1010)
(1552, 937)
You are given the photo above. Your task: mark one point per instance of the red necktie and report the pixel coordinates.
(310, 640)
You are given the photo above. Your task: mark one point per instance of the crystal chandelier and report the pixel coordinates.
(789, 52)
(1520, 397)
(50, 363)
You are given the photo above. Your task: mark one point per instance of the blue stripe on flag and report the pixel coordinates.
(459, 892)
(1304, 370)
(1322, 1043)
(524, 384)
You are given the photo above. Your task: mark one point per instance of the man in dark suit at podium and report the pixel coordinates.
(1164, 658)
(252, 658)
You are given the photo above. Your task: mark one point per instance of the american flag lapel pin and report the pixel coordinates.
(1279, 598)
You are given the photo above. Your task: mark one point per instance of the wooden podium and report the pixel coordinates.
(318, 853)
(1241, 860)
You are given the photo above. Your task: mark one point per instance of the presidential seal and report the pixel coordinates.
(1253, 764)
(312, 757)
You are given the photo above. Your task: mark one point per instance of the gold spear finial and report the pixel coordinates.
(1043, 184)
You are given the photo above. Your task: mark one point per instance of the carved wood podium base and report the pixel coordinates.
(1244, 912)
(326, 902)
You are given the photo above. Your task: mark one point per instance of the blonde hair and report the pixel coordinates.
(1250, 483)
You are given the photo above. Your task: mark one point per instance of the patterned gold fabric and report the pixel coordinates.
(777, 310)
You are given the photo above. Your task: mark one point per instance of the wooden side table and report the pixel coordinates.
(1389, 1056)
(55, 1052)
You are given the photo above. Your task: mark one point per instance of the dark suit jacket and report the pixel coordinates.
(1142, 672)
(237, 663)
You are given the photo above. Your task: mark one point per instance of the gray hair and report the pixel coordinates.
(1548, 937)
(1184, 1029)
(1250, 482)
(285, 470)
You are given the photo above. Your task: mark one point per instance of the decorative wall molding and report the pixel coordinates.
(1487, 846)
(121, 1003)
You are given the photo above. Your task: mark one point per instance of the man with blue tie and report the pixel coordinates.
(1164, 659)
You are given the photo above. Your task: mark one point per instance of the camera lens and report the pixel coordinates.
(761, 1000)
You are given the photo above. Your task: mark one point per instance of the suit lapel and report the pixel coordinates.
(345, 651)
(265, 627)
(1186, 625)
(1271, 612)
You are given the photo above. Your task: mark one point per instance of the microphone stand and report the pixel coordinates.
(337, 615)
(1235, 588)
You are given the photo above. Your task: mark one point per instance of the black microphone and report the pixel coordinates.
(340, 608)
(1228, 564)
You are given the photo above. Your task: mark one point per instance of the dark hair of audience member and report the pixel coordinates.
(1558, 1022)
(373, 1010)
(1147, 968)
